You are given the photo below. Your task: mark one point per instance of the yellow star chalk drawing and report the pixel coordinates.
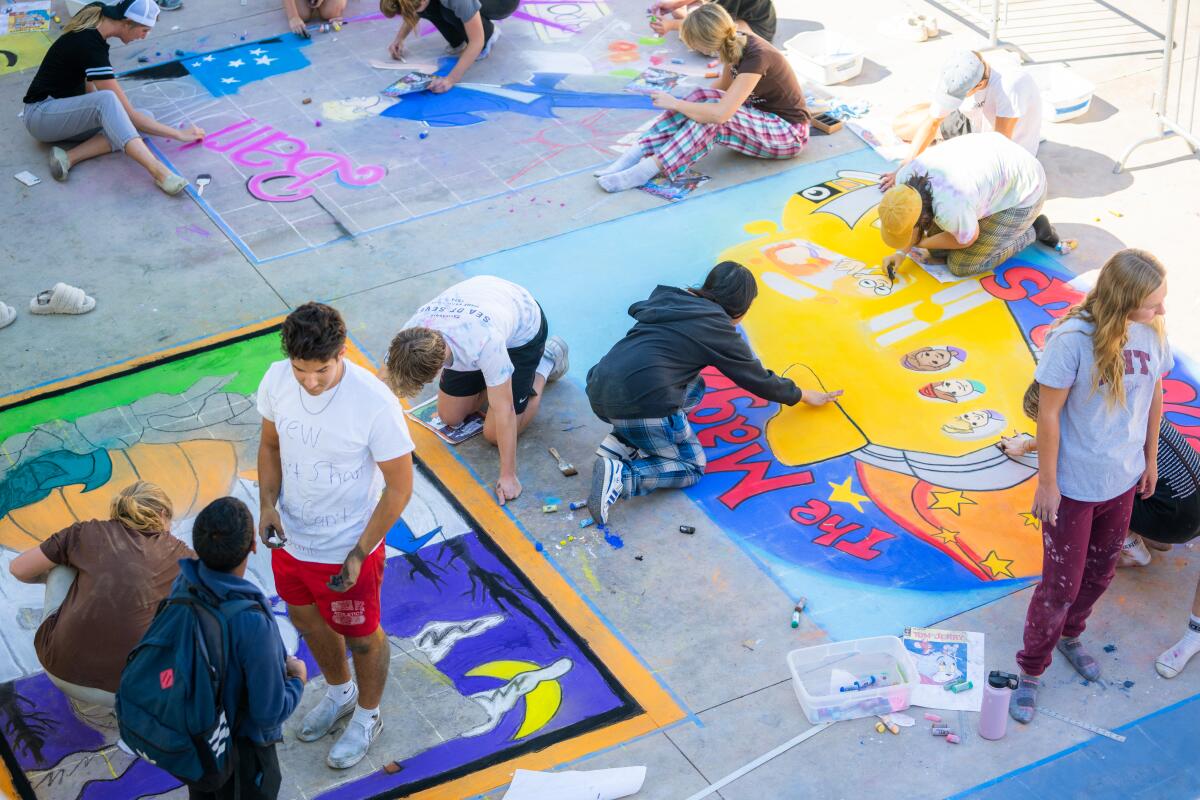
(844, 493)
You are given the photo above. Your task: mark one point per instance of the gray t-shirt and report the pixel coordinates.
(463, 9)
(1100, 451)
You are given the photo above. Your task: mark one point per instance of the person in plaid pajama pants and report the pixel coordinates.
(755, 108)
(972, 201)
(649, 381)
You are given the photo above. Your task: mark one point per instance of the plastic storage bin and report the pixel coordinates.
(818, 673)
(1065, 94)
(824, 56)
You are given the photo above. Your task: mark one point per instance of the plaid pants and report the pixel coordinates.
(671, 456)
(678, 141)
(1001, 236)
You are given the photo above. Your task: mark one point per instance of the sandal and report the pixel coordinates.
(1087, 667)
(60, 165)
(62, 299)
(171, 183)
(8, 315)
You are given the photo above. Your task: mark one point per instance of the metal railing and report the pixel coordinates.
(1177, 101)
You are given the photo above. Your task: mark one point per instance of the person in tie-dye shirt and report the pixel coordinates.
(972, 202)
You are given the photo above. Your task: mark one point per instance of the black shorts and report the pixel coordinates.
(1165, 519)
(524, 360)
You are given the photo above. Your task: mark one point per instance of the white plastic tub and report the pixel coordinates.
(1065, 94)
(824, 56)
(817, 684)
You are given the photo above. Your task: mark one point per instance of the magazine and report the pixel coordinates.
(677, 189)
(944, 658)
(426, 415)
(411, 82)
(654, 79)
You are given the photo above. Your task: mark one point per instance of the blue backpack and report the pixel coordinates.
(169, 703)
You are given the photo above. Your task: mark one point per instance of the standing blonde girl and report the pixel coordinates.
(75, 98)
(1100, 385)
(756, 107)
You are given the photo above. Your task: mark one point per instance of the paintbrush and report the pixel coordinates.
(564, 466)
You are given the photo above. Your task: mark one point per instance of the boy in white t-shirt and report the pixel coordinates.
(336, 458)
(974, 96)
(488, 337)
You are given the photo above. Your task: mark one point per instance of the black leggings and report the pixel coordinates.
(454, 30)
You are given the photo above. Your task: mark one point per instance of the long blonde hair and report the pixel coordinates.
(1124, 283)
(88, 17)
(710, 29)
(143, 507)
(402, 8)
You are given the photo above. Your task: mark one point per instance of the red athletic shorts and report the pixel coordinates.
(304, 583)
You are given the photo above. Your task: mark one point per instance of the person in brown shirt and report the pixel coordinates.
(756, 108)
(104, 580)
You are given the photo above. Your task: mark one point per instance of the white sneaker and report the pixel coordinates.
(1134, 552)
(556, 350)
(351, 747)
(606, 488)
(324, 716)
(487, 46)
(456, 49)
(612, 447)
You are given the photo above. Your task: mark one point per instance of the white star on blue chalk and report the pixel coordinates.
(230, 80)
(208, 58)
(264, 60)
(237, 62)
(196, 63)
(258, 51)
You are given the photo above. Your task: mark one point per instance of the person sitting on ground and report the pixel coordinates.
(971, 202)
(263, 684)
(89, 628)
(299, 12)
(649, 381)
(756, 107)
(488, 337)
(75, 98)
(751, 16)
(1170, 516)
(973, 96)
(466, 25)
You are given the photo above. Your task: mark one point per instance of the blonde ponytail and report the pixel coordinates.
(143, 507)
(709, 29)
(88, 17)
(401, 8)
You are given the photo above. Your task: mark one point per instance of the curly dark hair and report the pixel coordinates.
(223, 533)
(924, 188)
(313, 332)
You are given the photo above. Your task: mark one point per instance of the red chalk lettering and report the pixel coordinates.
(1058, 292)
(833, 532)
(1178, 397)
(1013, 288)
(754, 481)
(865, 548)
(735, 431)
(811, 513)
(717, 406)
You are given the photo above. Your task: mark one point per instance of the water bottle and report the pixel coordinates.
(993, 718)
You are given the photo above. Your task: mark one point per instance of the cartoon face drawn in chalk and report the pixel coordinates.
(351, 109)
(954, 390)
(934, 359)
(974, 424)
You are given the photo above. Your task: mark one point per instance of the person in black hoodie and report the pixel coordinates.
(646, 384)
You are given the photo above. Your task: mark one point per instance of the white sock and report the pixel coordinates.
(1172, 662)
(630, 157)
(545, 366)
(630, 178)
(365, 716)
(340, 692)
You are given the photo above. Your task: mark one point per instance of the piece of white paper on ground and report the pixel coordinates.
(944, 657)
(939, 272)
(597, 784)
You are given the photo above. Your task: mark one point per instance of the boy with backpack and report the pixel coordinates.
(207, 690)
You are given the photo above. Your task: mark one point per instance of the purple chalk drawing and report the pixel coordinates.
(266, 147)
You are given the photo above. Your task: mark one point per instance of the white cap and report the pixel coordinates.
(961, 73)
(143, 12)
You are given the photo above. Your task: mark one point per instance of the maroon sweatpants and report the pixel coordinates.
(1078, 562)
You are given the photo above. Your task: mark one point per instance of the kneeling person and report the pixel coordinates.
(488, 337)
(336, 456)
(646, 384)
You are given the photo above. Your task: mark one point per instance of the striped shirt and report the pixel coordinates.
(1178, 462)
(73, 59)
